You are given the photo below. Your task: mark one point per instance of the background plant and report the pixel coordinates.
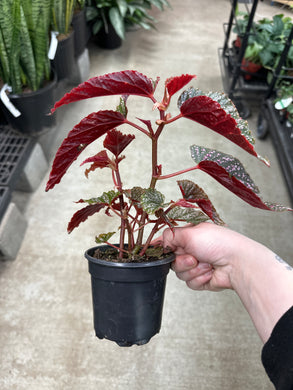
(24, 42)
(137, 207)
(120, 13)
(62, 13)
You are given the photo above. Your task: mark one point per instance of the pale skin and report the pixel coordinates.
(210, 257)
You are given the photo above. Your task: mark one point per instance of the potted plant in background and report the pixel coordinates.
(61, 24)
(110, 18)
(29, 83)
(128, 278)
(81, 30)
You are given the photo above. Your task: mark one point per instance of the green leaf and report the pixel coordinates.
(122, 106)
(122, 5)
(188, 215)
(104, 237)
(108, 197)
(117, 22)
(152, 200)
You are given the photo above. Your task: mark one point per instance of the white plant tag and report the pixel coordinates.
(7, 103)
(53, 45)
(283, 103)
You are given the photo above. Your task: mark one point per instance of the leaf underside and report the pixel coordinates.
(116, 141)
(128, 82)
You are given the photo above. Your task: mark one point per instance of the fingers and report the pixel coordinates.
(195, 274)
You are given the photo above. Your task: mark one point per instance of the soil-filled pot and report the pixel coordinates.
(64, 60)
(34, 108)
(108, 39)
(127, 298)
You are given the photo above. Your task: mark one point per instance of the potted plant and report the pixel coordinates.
(81, 30)
(128, 278)
(63, 59)
(28, 83)
(110, 18)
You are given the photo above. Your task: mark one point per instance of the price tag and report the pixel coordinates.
(283, 103)
(53, 45)
(7, 103)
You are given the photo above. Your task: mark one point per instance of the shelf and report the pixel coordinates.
(257, 87)
(282, 137)
(14, 150)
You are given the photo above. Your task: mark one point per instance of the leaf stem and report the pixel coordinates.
(176, 173)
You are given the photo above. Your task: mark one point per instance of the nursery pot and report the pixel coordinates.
(127, 298)
(81, 32)
(64, 60)
(250, 67)
(34, 108)
(108, 39)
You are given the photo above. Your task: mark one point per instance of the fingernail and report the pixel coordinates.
(189, 261)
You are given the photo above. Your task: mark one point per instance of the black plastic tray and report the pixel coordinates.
(5, 196)
(14, 151)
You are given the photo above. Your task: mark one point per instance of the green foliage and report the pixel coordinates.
(104, 237)
(267, 41)
(24, 42)
(121, 13)
(62, 12)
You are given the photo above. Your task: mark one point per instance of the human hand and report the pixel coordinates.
(206, 255)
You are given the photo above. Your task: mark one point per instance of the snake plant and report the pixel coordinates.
(62, 12)
(24, 40)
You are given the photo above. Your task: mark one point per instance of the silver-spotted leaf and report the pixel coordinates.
(187, 214)
(152, 200)
(195, 194)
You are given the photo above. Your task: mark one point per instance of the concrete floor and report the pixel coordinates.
(207, 340)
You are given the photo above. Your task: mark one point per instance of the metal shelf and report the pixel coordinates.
(282, 137)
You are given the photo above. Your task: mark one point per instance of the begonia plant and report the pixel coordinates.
(138, 207)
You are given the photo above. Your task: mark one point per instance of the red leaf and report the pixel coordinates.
(128, 82)
(232, 184)
(100, 160)
(208, 112)
(82, 215)
(174, 84)
(88, 130)
(116, 142)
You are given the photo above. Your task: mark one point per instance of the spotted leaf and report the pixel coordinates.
(194, 194)
(229, 171)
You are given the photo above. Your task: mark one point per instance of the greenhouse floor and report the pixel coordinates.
(207, 340)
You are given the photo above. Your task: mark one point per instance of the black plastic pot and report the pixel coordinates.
(108, 39)
(81, 32)
(34, 108)
(64, 60)
(127, 298)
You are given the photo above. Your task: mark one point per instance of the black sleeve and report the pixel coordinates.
(277, 353)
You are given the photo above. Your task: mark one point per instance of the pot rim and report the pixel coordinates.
(156, 263)
(51, 84)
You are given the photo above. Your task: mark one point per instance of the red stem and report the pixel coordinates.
(176, 173)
